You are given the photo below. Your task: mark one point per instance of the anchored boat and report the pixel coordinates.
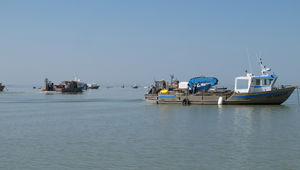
(63, 87)
(135, 86)
(93, 86)
(80, 84)
(249, 89)
(1, 87)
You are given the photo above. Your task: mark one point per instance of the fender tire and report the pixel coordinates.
(185, 102)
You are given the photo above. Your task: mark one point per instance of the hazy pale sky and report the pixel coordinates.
(137, 41)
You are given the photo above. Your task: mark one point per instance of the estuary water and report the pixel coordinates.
(116, 129)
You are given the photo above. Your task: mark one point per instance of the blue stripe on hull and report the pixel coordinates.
(166, 96)
(264, 94)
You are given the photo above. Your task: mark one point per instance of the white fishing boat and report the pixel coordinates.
(135, 86)
(249, 89)
(93, 86)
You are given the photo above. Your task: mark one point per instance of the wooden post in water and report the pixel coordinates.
(298, 95)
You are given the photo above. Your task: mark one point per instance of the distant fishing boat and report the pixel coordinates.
(1, 87)
(249, 89)
(135, 86)
(93, 86)
(63, 87)
(123, 86)
(81, 84)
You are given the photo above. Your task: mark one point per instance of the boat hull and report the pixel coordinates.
(205, 99)
(94, 87)
(69, 90)
(274, 97)
(2, 88)
(151, 97)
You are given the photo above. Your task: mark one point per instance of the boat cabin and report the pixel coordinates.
(254, 84)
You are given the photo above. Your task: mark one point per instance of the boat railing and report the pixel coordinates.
(285, 86)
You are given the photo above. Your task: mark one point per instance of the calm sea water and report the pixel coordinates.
(116, 129)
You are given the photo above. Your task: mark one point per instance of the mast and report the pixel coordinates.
(264, 69)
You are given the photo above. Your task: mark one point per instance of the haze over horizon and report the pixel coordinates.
(137, 41)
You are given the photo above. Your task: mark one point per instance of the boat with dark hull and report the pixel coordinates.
(274, 97)
(93, 86)
(135, 86)
(249, 90)
(63, 87)
(1, 87)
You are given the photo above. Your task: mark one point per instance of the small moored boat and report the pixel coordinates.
(135, 86)
(93, 86)
(63, 87)
(1, 87)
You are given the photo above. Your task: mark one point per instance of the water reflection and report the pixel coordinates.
(242, 114)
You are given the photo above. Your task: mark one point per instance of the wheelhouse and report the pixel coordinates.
(253, 84)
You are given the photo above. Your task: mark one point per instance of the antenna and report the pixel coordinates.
(264, 69)
(172, 77)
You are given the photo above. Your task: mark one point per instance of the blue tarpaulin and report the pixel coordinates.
(202, 83)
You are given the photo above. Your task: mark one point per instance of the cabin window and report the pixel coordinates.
(266, 82)
(242, 84)
(270, 81)
(257, 82)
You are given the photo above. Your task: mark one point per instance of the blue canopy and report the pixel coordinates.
(202, 83)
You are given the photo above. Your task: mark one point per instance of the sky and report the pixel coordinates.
(138, 41)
